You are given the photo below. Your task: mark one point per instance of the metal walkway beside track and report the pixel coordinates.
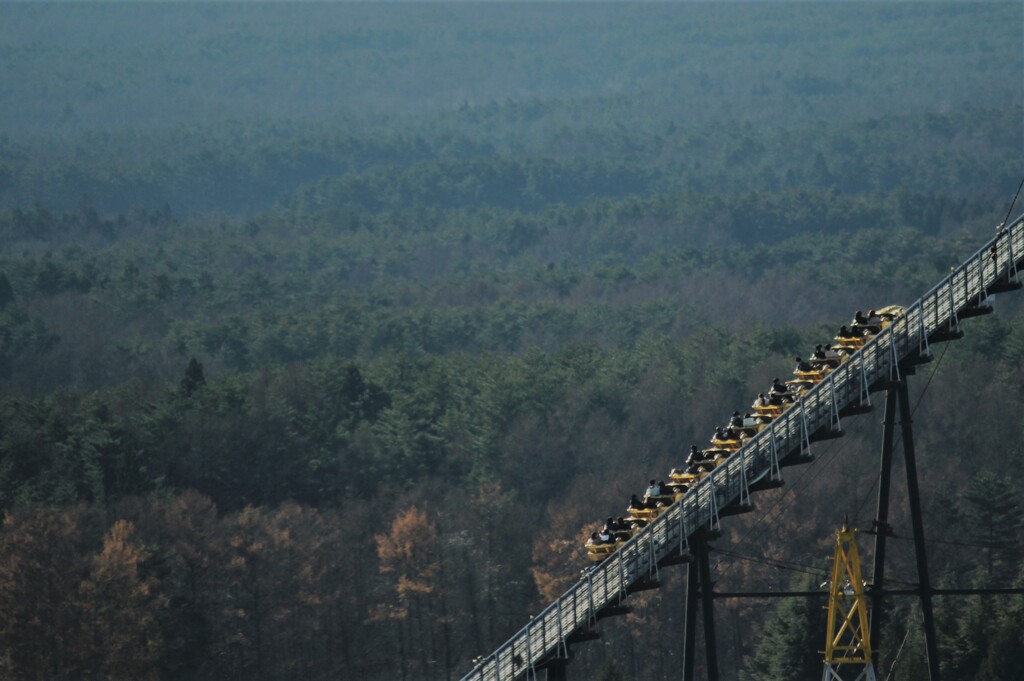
(934, 317)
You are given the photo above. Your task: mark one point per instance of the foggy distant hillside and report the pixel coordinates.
(233, 107)
(76, 67)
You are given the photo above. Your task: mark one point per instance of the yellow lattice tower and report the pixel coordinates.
(848, 640)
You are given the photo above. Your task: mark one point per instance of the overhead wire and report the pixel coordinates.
(776, 563)
(1012, 203)
(795, 566)
(964, 544)
(896, 660)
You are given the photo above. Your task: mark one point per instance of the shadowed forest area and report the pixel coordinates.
(328, 332)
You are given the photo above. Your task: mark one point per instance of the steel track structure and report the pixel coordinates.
(817, 414)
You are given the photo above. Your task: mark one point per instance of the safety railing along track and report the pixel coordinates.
(819, 410)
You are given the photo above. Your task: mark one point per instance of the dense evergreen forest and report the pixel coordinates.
(329, 331)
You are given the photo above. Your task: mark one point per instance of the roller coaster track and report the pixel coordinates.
(816, 415)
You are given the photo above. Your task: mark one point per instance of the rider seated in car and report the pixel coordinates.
(825, 357)
(621, 530)
(874, 323)
(803, 366)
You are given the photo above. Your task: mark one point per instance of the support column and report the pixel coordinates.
(710, 640)
(914, 497)
(690, 626)
(882, 515)
(699, 591)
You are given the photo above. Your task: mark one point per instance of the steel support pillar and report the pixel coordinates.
(692, 594)
(898, 394)
(882, 516)
(699, 589)
(710, 640)
(914, 499)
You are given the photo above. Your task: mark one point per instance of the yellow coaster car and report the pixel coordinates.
(598, 551)
(798, 386)
(682, 476)
(728, 445)
(877, 320)
(889, 314)
(645, 514)
(715, 456)
(852, 343)
(660, 501)
(757, 422)
(815, 375)
(833, 358)
(772, 411)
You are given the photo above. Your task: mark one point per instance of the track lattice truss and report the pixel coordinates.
(935, 316)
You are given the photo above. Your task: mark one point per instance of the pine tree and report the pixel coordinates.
(126, 607)
(791, 640)
(6, 292)
(193, 379)
(993, 510)
(611, 672)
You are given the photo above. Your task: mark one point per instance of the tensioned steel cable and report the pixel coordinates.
(794, 566)
(969, 545)
(896, 660)
(776, 563)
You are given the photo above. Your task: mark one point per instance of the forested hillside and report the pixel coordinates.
(328, 332)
